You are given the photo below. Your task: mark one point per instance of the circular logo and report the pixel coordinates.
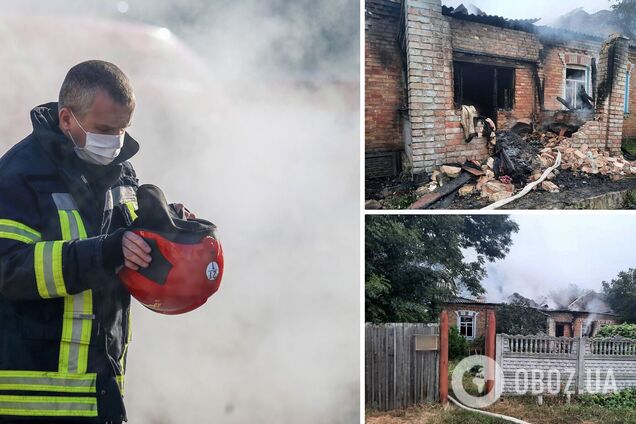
(212, 271)
(474, 370)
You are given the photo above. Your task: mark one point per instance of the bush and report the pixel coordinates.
(457, 344)
(618, 330)
(478, 344)
(623, 399)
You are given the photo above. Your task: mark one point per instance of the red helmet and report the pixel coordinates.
(187, 258)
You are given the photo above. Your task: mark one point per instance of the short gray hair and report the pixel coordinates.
(84, 79)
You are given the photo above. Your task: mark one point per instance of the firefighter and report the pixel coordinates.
(67, 195)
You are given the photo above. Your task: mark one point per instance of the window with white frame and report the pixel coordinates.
(576, 79)
(466, 323)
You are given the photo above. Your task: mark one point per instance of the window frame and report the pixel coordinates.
(584, 68)
(472, 317)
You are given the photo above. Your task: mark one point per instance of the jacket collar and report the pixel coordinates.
(46, 129)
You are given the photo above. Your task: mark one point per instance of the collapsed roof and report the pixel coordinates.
(545, 33)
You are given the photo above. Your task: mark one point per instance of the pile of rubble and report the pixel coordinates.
(515, 163)
(586, 160)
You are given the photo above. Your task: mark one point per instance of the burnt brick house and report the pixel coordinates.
(584, 316)
(423, 61)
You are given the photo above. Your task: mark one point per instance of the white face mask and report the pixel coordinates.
(100, 149)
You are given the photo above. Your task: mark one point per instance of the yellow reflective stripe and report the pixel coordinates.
(48, 406)
(67, 334)
(65, 226)
(80, 224)
(77, 321)
(87, 325)
(131, 210)
(47, 259)
(20, 226)
(120, 383)
(58, 275)
(47, 381)
(14, 230)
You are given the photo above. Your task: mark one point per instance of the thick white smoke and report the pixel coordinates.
(265, 148)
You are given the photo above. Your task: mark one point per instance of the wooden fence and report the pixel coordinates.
(396, 374)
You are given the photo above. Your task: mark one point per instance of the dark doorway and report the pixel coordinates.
(559, 330)
(486, 87)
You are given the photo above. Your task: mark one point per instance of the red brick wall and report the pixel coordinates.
(556, 58)
(482, 317)
(606, 131)
(491, 40)
(384, 83)
(525, 100)
(629, 125)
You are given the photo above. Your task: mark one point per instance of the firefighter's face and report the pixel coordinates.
(104, 117)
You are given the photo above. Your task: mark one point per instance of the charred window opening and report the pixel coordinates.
(576, 83)
(559, 330)
(488, 88)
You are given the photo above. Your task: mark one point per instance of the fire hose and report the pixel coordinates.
(527, 188)
(490, 414)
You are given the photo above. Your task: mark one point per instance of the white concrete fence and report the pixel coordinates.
(552, 365)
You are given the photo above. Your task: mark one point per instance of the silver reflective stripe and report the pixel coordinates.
(46, 383)
(108, 203)
(76, 334)
(124, 194)
(72, 223)
(64, 201)
(13, 230)
(49, 278)
(48, 406)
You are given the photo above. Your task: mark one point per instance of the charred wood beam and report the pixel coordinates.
(428, 200)
(539, 88)
(491, 59)
(565, 103)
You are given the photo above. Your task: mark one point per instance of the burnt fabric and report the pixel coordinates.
(469, 113)
(64, 314)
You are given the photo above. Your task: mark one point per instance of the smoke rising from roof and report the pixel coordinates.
(553, 256)
(247, 112)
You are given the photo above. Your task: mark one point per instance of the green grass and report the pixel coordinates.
(629, 144)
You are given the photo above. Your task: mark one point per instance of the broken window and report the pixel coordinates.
(559, 330)
(575, 84)
(488, 88)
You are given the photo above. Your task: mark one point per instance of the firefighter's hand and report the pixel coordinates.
(136, 251)
(180, 208)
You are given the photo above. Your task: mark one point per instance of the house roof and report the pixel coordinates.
(469, 301)
(462, 12)
(590, 302)
(544, 32)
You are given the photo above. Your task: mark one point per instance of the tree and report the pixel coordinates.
(621, 294)
(625, 16)
(518, 317)
(413, 263)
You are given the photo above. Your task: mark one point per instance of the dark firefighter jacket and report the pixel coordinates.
(64, 316)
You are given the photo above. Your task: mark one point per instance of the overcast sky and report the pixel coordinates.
(551, 251)
(548, 10)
